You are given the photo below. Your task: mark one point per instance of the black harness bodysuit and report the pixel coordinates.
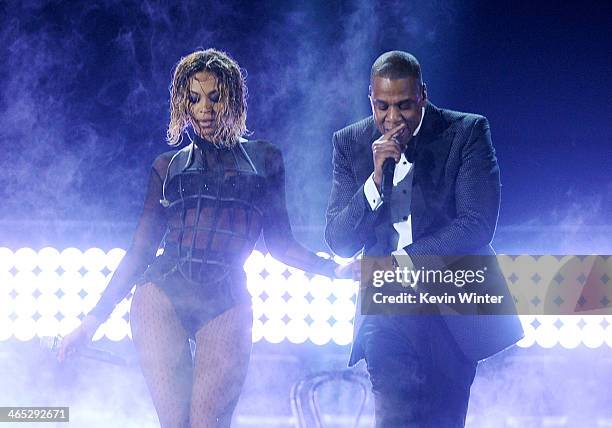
(210, 205)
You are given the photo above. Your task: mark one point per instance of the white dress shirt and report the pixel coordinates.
(403, 228)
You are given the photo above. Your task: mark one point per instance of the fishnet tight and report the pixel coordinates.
(185, 394)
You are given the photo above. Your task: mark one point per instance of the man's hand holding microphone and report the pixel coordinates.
(386, 147)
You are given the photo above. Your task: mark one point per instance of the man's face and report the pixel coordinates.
(204, 103)
(397, 101)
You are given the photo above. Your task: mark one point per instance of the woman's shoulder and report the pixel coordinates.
(160, 164)
(259, 145)
(262, 149)
(265, 155)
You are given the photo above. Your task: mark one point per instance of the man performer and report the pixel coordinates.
(444, 201)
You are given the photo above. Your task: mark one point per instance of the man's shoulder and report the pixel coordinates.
(355, 131)
(454, 118)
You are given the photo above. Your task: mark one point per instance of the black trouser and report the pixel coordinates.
(419, 376)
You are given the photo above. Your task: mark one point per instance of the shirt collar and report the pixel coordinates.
(418, 128)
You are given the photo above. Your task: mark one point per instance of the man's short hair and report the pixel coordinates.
(396, 65)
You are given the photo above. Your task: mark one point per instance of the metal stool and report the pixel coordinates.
(305, 398)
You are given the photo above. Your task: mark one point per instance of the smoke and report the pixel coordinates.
(83, 110)
(535, 387)
(576, 224)
(97, 394)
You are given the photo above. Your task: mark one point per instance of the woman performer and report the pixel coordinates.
(206, 206)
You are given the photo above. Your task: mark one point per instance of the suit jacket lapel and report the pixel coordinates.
(432, 146)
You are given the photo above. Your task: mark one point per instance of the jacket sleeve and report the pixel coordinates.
(477, 198)
(349, 219)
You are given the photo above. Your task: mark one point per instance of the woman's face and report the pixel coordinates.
(204, 103)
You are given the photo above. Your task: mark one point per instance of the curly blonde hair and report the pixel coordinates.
(231, 119)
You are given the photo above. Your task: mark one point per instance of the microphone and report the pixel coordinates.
(51, 344)
(388, 169)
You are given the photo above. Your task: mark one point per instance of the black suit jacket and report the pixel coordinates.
(454, 208)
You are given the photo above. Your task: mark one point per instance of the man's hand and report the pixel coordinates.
(385, 147)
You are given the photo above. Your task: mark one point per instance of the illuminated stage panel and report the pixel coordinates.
(45, 293)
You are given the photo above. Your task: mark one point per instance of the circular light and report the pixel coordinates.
(526, 320)
(258, 307)
(122, 308)
(6, 282)
(593, 335)
(297, 331)
(547, 335)
(342, 333)
(298, 285)
(320, 310)
(24, 305)
(320, 287)
(570, 320)
(25, 282)
(68, 324)
(71, 282)
(593, 319)
(547, 319)
(257, 330)
(47, 327)
(25, 259)
(320, 332)
(7, 259)
(530, 336)
(94, 282)
(94, 259)
(100, 333)
(108, 279)
(71, 305)
(343, 310)
(297, 308)
(90, 301)
(6, 329)
(274, 331)
(129, 330)
(295, 271)
(24, 329)
(273, 266)
(255, 284)
(71, 259)
(275, 285)
(116, 329)
(255, 263)
(6, 306)
(570, 336)
(48, 282)
(275, 308)
(343, 288)
(114, 257)
(48, 259)
(48, 305)
(608, 335)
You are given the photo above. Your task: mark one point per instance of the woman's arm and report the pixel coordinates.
(148, 234)
(277, 228)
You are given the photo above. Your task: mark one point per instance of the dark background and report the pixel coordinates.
(84, 104)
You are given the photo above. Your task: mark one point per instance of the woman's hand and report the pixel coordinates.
(81, 336)
(351, 270)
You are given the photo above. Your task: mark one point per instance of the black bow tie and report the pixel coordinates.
(410, 150)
